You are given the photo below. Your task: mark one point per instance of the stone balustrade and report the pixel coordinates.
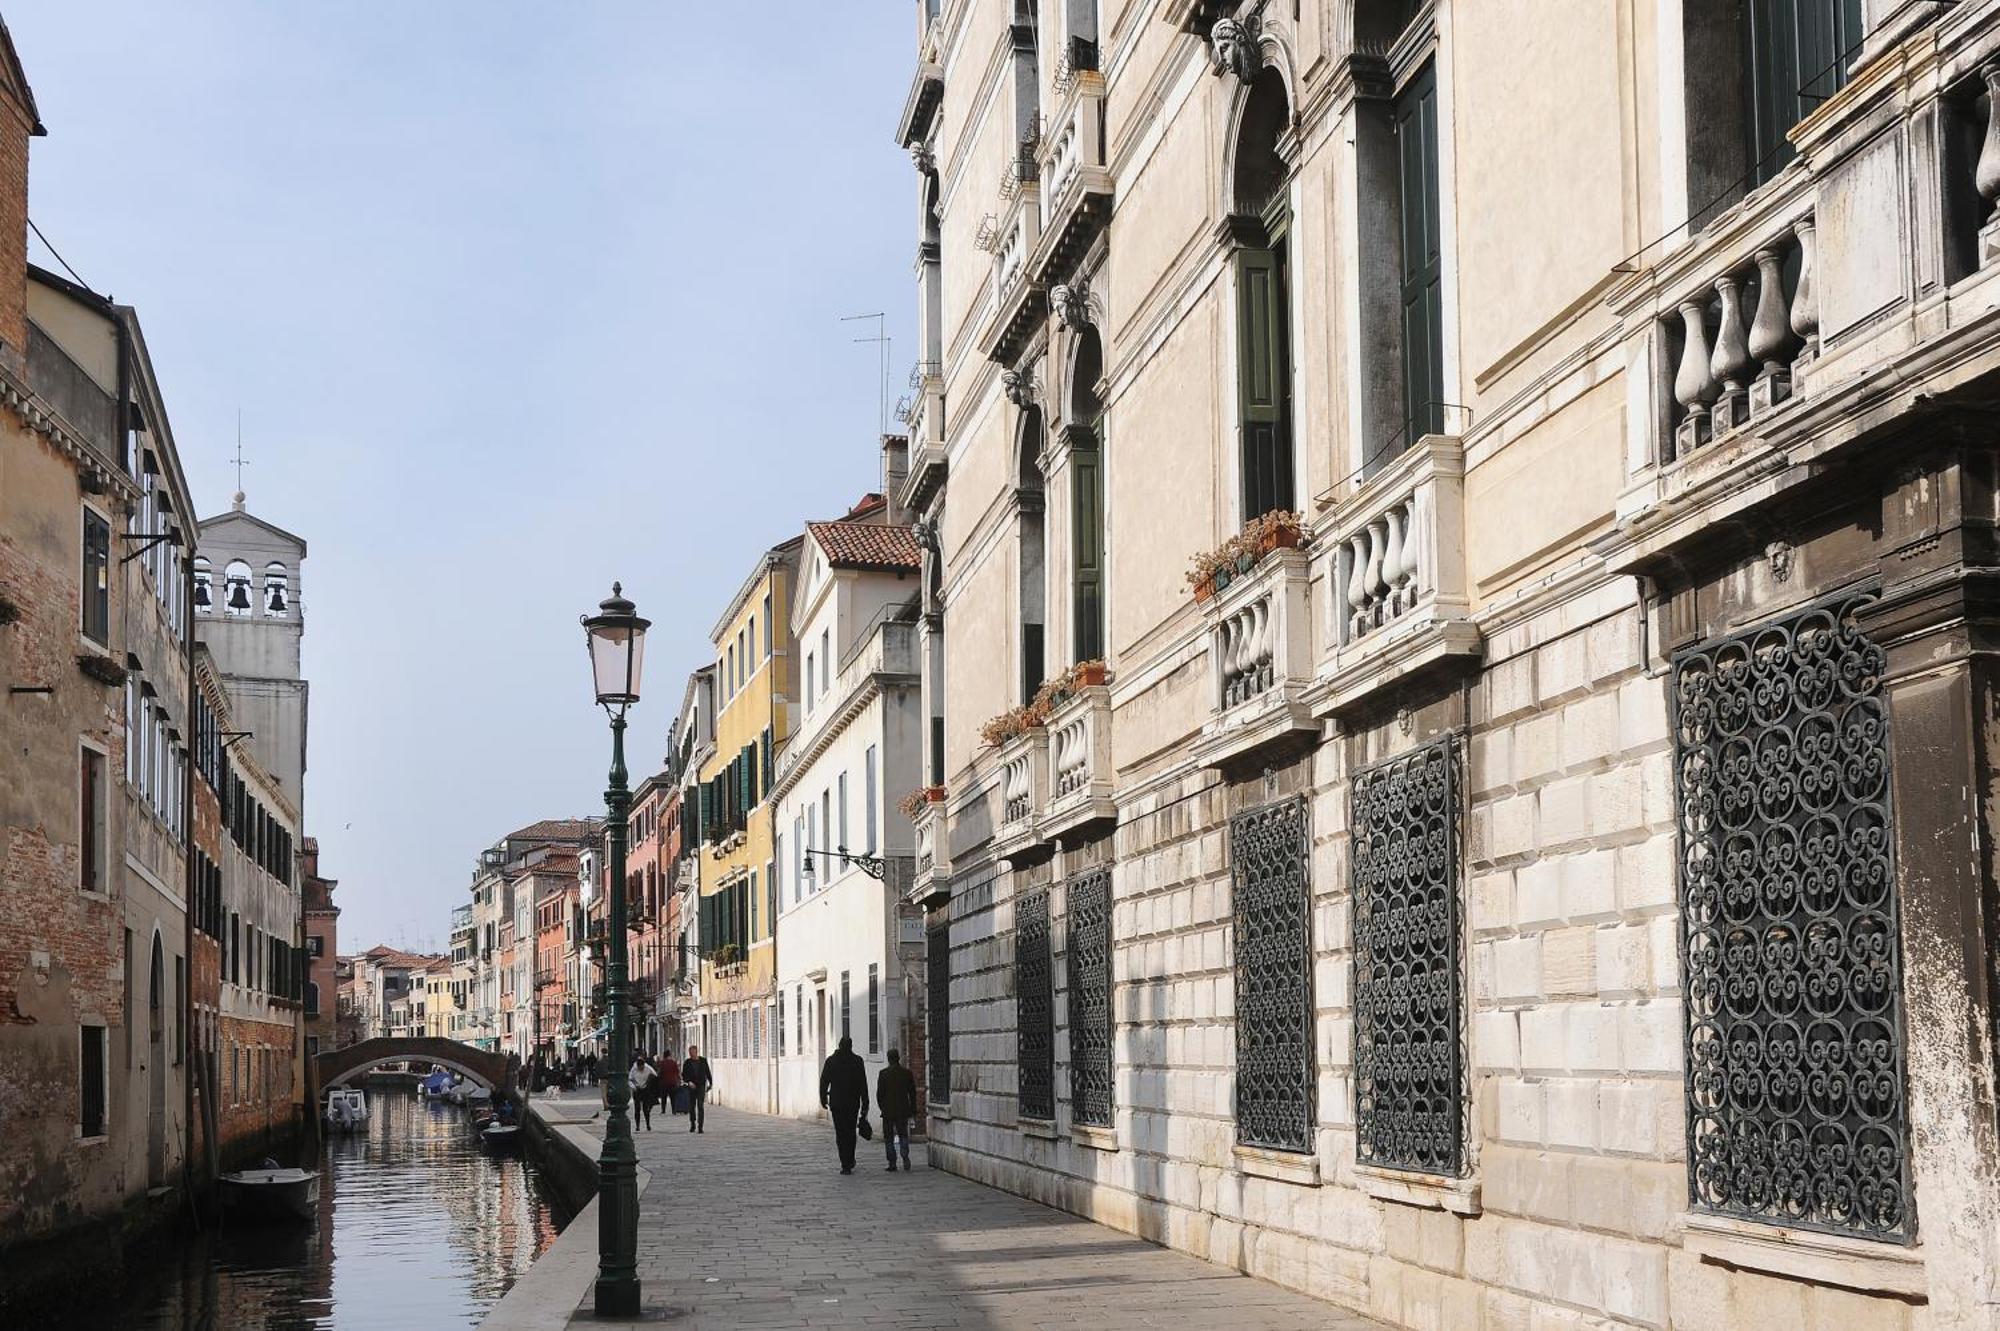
(1742, 332)
(1080, 768)
(1259, 648)
(1396, 574)
(1986, 172)
(1075, 177)
(1024, 765)
(1020, 230)
(930, 878)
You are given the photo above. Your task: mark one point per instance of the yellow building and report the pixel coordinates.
(439, 1008)
(753, 692)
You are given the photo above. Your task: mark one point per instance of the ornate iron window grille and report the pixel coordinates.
(1408, 1057)
(1274, 998)
(1035, 1025)
(1789, 933)
(1089, 951)
(937, 1002)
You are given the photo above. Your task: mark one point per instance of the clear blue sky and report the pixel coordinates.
(514, 298)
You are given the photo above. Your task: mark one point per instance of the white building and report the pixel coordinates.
(841, 852)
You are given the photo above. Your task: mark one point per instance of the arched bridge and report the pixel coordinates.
(495, 1071)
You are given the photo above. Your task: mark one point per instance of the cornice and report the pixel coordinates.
(38, 416)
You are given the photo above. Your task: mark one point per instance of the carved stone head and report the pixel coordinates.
(1233, 48)
(1019, 386)
(1071, 302)
(924, 158)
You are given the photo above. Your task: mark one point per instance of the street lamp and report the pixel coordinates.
(617, 639)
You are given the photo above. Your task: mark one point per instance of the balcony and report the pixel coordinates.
(1076, 179)
(926, 426)
(1259, 631)
(1024, 773)
(1020, 302)
(1080, 770)
(1396, 574)
(930, 884)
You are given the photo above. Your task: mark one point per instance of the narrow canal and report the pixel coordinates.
(417, 1227)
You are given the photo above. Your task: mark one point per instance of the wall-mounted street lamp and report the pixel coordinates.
(868, 864)
(617, 640)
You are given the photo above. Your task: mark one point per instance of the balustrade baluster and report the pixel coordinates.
(1805, 299)
(1357, 596)
(1394, 570)
(1730, 362)
(1694, 387)
(1770, 335)
(1986, 174)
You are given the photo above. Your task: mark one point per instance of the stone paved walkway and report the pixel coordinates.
(750, 1226)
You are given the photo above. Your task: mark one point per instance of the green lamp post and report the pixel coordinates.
(617, 638)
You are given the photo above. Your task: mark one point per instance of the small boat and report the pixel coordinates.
(346, 1109)
(498, 1136)
(435, 1085)
(272, 1192)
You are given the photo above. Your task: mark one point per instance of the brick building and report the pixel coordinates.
(322, 951)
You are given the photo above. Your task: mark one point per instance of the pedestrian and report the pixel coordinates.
(590, 1070)
(843, 1092)
(670, 1079)
(642, 1091)
(697, 1078)
(896, 1101)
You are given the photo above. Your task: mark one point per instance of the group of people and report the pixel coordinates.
(843, 1093)
(683, 1087)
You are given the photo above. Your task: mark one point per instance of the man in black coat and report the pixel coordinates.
(843, 1092)
(896, 1098)
(697, 1078)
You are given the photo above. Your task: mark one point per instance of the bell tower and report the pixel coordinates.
(248, 610)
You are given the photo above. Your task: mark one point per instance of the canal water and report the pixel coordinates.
(417, 1227)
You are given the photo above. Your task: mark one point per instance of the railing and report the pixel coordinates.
(1017, 238)
(1080, 769)
(1024, 166)
(931, 878)
(1023, 790)
(1259, 651)
(1076, 143)
(1400, 542)
(1740, 335)
(1017, 789)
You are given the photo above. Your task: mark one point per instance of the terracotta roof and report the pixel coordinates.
(558, 829)
(872, 545)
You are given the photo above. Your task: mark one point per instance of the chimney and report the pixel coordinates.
(18, 123)
(895, 470)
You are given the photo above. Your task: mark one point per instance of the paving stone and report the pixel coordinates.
(750, 1225)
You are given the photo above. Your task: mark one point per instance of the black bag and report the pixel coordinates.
(861, 1126)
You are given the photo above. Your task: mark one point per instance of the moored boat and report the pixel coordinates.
(498, 1136)
(271, 1192)
(346, 1109)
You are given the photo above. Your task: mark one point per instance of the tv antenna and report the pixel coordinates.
(883, 340)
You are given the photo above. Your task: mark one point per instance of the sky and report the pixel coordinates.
(513, 299)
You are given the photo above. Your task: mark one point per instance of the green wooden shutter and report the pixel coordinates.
(1261, 351)
(767, 762)
(1087, 570)
(1422, 259)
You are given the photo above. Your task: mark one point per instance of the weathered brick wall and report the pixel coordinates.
(13, 233)
(260, 1104)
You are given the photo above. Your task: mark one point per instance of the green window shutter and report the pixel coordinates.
(1087, 573)
(767, 762)
(1262, 349)
(1422, 259)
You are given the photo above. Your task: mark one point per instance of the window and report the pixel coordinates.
(756, 908)
(277, 591)
(92, 795)
(937, 1010)
(868, 799)
(841, 843)
(1795, 55)
(1408, 1063)
(799, 1004)
(751, 655)
(96, 598)
(1274, 1006)
(825, 661)
(1088, 948)
(770, 632)
(1261, 226)
(810, 660)
(1796, 1105)
(846, 1008)
(799, 850)
(204, 585)
(729, 670)
(1422, 264)
(236, 589)
(874, 1007)
(1035, 1012)
(92, 1077)
(1031, 543)
(1086, 467)
(778, 1027)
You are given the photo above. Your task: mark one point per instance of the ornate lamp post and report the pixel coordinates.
(617, 639)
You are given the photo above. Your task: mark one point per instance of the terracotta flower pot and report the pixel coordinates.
(1284, 538)
(934, 794)
(1090, 675)
(1204, 590)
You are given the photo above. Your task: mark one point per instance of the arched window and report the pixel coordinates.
(204, 586)
(1086, 496)
(236, 588)
(1030, 520)
(1027, 89)
(932, 261)
(1261, 223)
(277, 591)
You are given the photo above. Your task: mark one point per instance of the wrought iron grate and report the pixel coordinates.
(1274, 1004)
(1408, 1058)
(937, 1010)
(1795, 1062)
(1089, 951)
(1035, 1026)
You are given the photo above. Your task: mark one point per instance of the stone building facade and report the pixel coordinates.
(1536, 869)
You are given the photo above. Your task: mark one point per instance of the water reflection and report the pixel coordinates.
(417, 1227)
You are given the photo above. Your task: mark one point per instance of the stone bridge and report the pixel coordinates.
(495, 1071)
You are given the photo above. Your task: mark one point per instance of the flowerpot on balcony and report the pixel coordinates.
(1245, 562)
(934, 794)
(1204, 590)
(1090, 674)
(1282, 538)
(1221, 578)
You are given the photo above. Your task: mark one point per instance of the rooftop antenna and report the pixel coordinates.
(883, 340)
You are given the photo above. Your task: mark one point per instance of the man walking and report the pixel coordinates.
(670, 1080)
(843, 1091)
(896, 1099)
(641, 1075)
(697, 1078)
